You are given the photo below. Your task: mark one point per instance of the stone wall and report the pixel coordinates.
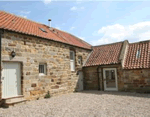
(90, 78)
(128, 80)
(30, 51)
(0, 73)
(137, 80)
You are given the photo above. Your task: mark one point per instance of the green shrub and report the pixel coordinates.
(47, 95)
(75, 90)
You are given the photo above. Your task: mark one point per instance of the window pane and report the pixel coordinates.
(72, 55)
(72, 66)
(41, 68)
(138, 54)
(80, 60)
(113, 74)
(72, 61)
(110, 78)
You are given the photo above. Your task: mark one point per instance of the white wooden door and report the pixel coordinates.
(80, 81)
(11, 79)
(110, 79)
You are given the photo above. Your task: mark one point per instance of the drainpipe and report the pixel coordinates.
(102, 80)
(98, 78)
(0, 66)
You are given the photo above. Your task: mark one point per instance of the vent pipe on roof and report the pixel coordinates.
(49, 22)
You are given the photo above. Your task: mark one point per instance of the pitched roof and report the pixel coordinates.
(105, 54)
(21, 25)
(134, 62)
(70, 38)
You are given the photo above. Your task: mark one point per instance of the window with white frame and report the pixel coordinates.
(42, 69)
(80, 60)
(72, 60)
(138, 54)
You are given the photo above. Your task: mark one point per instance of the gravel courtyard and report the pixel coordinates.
(84, 104)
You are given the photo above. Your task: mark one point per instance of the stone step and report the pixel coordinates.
(7, 102)
(14, 99)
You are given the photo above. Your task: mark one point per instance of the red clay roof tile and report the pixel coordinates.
(134, 62)
(18, 24)
(70, 38)
(105, 54)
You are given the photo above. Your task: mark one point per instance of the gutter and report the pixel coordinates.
(102, 80)
(98, 78)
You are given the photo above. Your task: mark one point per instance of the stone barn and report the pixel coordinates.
(37, 58)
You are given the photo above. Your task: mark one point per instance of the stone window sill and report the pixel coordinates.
(42, 74)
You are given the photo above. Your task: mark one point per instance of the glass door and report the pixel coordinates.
(110, 79)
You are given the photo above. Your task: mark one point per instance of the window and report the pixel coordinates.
(80, 60)
(43, 30)
(72, 60)
(138, 54)
(110, 74)
(42, 69)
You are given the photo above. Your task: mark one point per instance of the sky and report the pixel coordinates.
(96, 22)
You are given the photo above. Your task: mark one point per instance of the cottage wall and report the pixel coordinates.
(90, 78)
(128, 80)
(30, 51)
(137, 80)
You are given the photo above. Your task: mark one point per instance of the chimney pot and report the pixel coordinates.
(49, 21)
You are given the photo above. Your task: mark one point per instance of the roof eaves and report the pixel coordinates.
(42, 37)
(102, 64)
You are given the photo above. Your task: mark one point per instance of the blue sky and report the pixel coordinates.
(95, 22)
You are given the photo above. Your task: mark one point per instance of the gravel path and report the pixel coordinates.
(84, 104)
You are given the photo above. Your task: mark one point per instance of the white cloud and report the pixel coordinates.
(117, 32)
(83, 38)
(72, 28)
(25, 12)
(101, 41)
(24, 16)
(47, 1)
(58, 28)
(144, 36)
(74, 8)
